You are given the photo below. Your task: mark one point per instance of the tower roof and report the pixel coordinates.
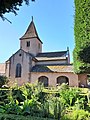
(31, 32)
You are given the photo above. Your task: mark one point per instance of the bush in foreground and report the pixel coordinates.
(77, 115)
(20, 117)
(3, 80)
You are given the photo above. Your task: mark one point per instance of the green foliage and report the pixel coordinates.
(3, 80)
(66, 117)
(58, 111)
(7, 6)
(80, 115)
(28, 100)
(88, 96)
(68, 95)
(31, 100)
(82, 36)
(77, 115)
(80, 103)
(20, 117)
(4, 96)
(17, 94)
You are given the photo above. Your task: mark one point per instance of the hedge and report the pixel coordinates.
(20, 117)
(81, 52)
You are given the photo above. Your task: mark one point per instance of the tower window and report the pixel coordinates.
(18, 70)
(28, 44)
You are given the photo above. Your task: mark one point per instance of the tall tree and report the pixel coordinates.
(7, 6)
(81, 52)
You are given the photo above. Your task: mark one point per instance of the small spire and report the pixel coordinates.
(32, 18)
(67, 48)
(31, 32)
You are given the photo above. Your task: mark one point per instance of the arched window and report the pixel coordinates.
(62, 79)
(44, 80)
(18, 70)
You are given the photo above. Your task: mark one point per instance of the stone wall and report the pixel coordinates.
(52, 77)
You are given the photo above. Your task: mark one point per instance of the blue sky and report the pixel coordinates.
(54, 21)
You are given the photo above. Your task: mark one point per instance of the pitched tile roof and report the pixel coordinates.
(2, 68)
(52, 68)
(31, 32)
(51, 55)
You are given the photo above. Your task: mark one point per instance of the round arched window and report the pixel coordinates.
(62, 79)
(43, 80)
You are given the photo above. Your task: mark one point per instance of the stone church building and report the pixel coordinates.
(30, 64)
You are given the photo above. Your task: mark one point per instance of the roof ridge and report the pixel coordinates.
(53, 52)
(55, 65)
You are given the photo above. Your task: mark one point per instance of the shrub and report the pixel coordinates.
(4, 96)
(17, 94)
(20, 117)
(77, 115)
(31, 100)
(68, 95)
(3, 80)
(80, 115)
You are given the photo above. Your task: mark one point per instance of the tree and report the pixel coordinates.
(7, 6)
(81, 52)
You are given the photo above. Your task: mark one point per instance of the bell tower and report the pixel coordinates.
(30, 41)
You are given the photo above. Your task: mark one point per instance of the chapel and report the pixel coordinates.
(30, 64)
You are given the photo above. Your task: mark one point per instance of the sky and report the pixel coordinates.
(54, 21)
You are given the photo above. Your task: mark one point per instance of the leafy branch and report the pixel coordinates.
(7, 6)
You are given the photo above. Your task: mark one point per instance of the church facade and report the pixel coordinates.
(30, 64)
